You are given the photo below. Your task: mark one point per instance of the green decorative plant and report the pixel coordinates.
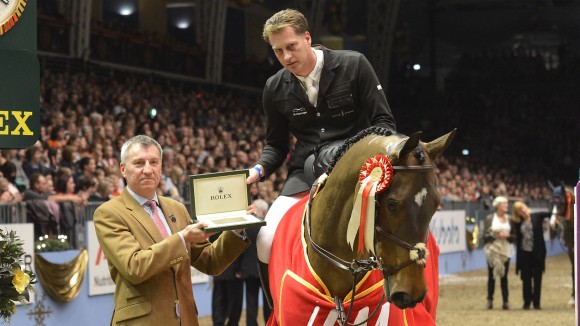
(15, 283)
(51, 243)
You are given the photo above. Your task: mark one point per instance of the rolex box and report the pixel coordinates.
(220, 199)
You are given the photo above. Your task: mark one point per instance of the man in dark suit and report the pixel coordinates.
(150, 242)
(321, 97)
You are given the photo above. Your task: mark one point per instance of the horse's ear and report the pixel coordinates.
(404, 146)
(437, 146)
(551, 185)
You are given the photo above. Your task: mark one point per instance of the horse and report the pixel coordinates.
(562, 220)
(323, 264)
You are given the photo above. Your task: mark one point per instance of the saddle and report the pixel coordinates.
(318, 162)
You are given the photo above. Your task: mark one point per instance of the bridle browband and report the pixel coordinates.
(361, 266)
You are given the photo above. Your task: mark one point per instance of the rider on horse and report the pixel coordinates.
(320, 96)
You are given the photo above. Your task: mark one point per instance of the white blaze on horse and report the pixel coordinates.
(358, 250)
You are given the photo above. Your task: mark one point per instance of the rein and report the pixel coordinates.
(361, 266)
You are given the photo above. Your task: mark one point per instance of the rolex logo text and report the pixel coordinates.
(221, 195)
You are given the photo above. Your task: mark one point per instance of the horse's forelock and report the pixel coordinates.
(419, 154)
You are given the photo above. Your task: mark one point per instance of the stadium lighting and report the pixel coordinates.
(183, 24)
(416, 67)
(126, 10)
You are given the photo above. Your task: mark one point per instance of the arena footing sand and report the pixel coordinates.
(462, 298)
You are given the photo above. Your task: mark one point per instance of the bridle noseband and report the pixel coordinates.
(362, 266)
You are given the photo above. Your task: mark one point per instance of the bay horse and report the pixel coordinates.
(317, 272)
(562, 221)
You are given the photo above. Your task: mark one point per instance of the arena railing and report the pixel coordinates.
(11, 213)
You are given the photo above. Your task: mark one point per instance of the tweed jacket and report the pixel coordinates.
(350, 99)
(151, 274)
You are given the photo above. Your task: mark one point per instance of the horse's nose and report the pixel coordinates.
(403, 300)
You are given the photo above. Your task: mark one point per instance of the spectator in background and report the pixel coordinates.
(498, 248)
(485, 197)
(8, 171)
(41, 211)
(109, 158)
(85, 186)
(530, 250)
(11, 168)
(57, 137)
(103, 192)
(87, 167)
(70, 211)
(100, 173)
(8, 192)
(167, 189)
(54, 159)
(69, 157)
(33, 161)
(113, 174)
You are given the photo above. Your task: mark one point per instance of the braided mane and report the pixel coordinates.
(352, 140)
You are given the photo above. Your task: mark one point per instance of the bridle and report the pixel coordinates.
(361, 266)
(563, 199)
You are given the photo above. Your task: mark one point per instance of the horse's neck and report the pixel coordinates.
(332, 207)
(329, 216)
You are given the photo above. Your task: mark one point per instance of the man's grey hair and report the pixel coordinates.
(142, 140)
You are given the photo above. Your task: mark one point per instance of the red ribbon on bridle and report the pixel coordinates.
(568, 212)
(375, 176)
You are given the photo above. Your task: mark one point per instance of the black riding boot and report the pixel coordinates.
(263, 271)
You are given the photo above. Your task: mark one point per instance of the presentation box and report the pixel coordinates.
(220, 199)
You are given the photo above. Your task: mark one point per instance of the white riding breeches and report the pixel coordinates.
(273, 218)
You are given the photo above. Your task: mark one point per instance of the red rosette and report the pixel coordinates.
(380, 170)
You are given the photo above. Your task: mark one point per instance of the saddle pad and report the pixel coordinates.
(302, 299)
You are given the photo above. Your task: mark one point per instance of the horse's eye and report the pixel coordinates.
(392, 205)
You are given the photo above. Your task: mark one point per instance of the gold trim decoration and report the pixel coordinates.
(40, 312)
(8, 20)
(62, 282)
(471, 233)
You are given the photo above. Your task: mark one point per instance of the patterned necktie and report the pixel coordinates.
(311, 90)
(157, 219)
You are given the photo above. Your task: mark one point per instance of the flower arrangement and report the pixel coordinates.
(51, 243)
(15, 284)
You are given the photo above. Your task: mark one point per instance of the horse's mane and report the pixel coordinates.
(374, 130)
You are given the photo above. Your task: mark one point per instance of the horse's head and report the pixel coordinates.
(403, 216)
(403, 209)
(562, 204)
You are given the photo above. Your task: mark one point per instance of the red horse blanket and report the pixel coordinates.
(302, 299)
